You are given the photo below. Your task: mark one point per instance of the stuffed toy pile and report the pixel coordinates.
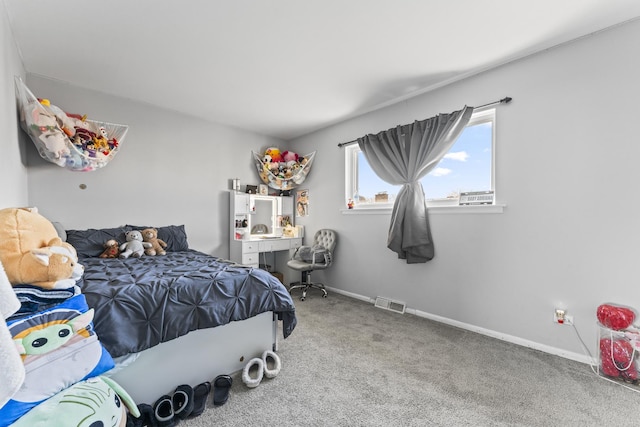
(68, 140)
(52, 333)
(282, 170)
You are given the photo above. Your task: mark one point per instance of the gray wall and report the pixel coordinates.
(171, 169)
(567, 167)
(13, 171)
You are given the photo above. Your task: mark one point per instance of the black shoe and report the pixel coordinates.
(200, 396)
(183, 401)
(222, 386)
(163, 412)
(146, 418)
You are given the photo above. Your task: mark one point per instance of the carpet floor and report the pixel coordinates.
(348, 363)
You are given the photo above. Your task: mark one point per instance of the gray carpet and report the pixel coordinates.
(351, 364)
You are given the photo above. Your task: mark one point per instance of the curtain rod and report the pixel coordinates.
(504, 100)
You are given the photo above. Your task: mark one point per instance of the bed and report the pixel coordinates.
(180, 318)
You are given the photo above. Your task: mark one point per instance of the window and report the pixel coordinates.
(468, 166)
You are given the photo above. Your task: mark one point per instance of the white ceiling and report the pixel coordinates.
(288, 67)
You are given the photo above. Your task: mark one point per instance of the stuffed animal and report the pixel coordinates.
(42, 125)
(274, 153)
(150, 235)
(290, 156)
(111, 249)
(98, 401)
(134, 246)
(53, 267)
(65, 122)
(32, 253)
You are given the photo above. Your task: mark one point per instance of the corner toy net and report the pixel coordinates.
(283, 175)
(69, 140)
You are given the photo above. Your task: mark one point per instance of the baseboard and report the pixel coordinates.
(582, 358)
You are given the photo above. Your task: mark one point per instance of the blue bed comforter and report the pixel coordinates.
(141, 302)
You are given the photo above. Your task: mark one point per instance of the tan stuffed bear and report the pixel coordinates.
(32, 253)
(150, 235)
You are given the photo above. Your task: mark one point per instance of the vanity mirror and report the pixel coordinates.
(257, 224)
(264, 215)
(255, 216)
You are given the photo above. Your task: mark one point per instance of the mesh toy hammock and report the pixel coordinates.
(283, 175)
(68, 140)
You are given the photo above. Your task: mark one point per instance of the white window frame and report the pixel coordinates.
(351, 176)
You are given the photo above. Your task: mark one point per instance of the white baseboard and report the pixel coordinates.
(582, 358)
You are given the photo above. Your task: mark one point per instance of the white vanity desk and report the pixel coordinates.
(252, 248)
(248, 212)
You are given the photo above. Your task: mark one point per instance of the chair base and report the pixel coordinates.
(306, 284)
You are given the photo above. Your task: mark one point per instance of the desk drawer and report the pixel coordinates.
(251, 259)
(274, 245)
(250, 247)
(296, 243)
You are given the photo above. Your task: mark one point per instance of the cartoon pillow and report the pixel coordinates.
(97, 401)
(59, 348)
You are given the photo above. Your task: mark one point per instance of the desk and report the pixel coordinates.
(247, 252)
(247, 210)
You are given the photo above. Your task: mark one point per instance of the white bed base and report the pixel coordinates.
(196, 357)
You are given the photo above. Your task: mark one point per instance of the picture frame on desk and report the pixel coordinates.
(263, 190)
(251, 189)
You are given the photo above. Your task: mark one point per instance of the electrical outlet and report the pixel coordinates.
(561, 317)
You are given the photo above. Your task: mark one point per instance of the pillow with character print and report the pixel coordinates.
(58, 347)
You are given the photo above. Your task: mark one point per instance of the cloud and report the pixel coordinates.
(440, 172)
(461, 156)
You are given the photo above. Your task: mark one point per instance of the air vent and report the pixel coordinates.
(391, 305)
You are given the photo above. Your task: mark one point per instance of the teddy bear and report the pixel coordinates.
(32, 253)
(111, 249)
(134, 246)
(150, 235)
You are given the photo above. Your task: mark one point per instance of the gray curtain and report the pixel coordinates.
(402, 156)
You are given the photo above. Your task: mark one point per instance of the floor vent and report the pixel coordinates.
(389, 304)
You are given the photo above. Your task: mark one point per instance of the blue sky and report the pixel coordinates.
(467, 167)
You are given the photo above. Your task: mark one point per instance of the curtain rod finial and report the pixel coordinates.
(506, 100)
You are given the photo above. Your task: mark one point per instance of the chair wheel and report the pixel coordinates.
(324, 295)
(302, 298)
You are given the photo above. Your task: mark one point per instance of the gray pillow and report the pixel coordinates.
(62, 234)
(90, 243)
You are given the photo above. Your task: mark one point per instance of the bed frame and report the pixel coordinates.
(196, 357)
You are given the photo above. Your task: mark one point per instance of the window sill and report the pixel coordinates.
(435, 210)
